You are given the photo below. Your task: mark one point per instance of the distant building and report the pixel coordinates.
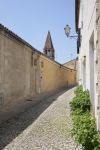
(72, 64)
(48, 48)
(88, 48)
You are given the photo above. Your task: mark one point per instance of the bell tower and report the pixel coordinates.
(48, 48)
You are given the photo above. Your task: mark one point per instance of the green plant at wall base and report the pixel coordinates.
(84, 129)
(96, 141)
(84, 126)
(79, 90)
(81, 100)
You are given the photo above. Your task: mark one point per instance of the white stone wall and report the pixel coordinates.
(98, 63)
(89, 51)
(87, 18)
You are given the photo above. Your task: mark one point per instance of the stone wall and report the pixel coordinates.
(98, 62)
(16, 76)
(26, 72)
(89, 53)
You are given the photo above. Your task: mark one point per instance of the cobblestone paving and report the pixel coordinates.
(45, 126)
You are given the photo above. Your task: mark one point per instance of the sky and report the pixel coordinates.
(31, 20)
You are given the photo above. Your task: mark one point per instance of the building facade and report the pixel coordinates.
(88, 23)
(26, 72)
(73, 64)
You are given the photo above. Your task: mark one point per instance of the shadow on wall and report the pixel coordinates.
(10, 129)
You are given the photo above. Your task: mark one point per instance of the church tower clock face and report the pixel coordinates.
(48, 48)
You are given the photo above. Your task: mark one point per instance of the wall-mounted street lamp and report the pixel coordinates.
(67, 32)
(78, 37)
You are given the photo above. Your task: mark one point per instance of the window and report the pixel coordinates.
(49, 53)
(42, 64)
(46, 52)
(79, 40)
(35, 62)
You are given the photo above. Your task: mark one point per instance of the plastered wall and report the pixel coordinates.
(54, 76)
(25, 72)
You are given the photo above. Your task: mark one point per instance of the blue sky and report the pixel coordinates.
(31, 20)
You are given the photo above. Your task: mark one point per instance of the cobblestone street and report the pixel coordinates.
(45, 126)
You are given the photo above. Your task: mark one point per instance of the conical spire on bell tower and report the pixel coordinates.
(48, 48)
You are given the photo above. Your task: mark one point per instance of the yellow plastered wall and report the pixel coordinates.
(21, 78)
(55, 76)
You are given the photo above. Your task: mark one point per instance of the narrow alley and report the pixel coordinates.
(45, 126)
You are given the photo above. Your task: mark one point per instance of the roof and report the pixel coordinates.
(70, 61)
(77, 5)
(48, 43)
